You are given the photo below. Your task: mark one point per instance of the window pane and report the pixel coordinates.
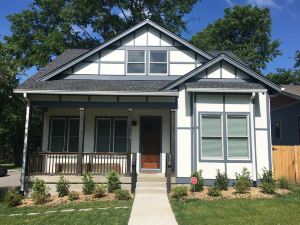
(277, 129)
(136, 56)
(74, 127)
(237, 126)
(57, 144)
(58, 127)
(211, 147)
(120, 145)
(158, 56)
(136, 67)
(103, 128)
(103, 135)
(73, 144)
(238, 147)
(211, 126)
(158, 68)
(103, 144)
(121, 128)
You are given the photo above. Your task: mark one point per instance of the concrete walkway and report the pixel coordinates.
(11, 180)
(151, 204)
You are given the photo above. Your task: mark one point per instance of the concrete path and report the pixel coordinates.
(151, 204)
(12, 179)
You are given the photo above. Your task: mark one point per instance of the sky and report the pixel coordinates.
(285, 23)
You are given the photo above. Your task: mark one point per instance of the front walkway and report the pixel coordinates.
(151, 204)
(11, 180)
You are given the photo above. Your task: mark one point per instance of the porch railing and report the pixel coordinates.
(50, 163)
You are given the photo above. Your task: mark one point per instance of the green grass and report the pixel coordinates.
(9, 166)
(95, 216)
(280, 210)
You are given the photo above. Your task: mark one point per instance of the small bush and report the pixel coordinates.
(88, 184)
(222, 181)
(99, 191)
(40, 193)
(199, 185)
(62, 187)
(122, 194)
(243, 182)
(113, 182)
(13, 198)
(73, 195)
(268, 183)
(214, 191)
(179, 192)
(283, 183)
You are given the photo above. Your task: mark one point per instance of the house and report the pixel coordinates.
(145, 96)
(285, 116)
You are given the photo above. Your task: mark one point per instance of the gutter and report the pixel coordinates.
(224, 90)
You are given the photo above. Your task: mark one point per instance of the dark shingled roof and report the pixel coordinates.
(215, 53)
(97, 85)
(293, 89)
(224, 84)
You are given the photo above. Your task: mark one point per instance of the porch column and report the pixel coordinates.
(173, 123)
(27, 120)
(129, 133)
(81, 141)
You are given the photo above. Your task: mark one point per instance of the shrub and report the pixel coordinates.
(243, 182)
(13, 198)
(73, 195)
(62, 187)
(268, 183)
(214, 191)
(99, 191)
(40, 193)
(221, 181)
(113, 182)
(199, 185)
(179, 192)
(88, 184)
(283, 183)
(122, 194)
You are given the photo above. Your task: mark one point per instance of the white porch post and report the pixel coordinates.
(23, 172)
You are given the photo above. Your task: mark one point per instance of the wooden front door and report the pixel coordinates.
(150, 128)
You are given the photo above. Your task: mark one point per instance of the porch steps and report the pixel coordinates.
(151, 184)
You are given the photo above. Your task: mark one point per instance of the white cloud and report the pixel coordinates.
(230, 3)
(265, 3)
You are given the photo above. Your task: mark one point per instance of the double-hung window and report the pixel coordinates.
(64, 134)
(237, 137)
(111, 135)
(136, 62)
(158, 62)
(211, 137)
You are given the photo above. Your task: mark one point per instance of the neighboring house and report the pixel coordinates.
(285, 115)
(143, 96)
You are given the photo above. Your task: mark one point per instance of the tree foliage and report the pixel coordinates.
(246, 31)
(47, 27)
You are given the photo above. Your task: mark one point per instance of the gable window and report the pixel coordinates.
(111, 135)
(136, 61)
(158, 62)
(277, 126)
(64, 134)
(211, 137)
(237, 136)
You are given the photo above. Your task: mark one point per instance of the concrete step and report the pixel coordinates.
(151, 178)
(151, 190)
(150, 184)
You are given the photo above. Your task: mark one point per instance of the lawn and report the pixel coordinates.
(108, 216)
(280, 210)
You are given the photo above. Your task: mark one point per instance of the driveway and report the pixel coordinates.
(11, 180)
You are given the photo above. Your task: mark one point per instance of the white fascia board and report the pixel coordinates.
(124, 93)
(224, 90)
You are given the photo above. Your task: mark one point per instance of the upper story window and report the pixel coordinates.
(158, 62)
(136, 61)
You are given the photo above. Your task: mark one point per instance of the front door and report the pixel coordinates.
(150, 128)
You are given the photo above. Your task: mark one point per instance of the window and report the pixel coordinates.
(64, 134)
(158, 62)
(277, 125)
(111, 135)
(211, 136)
(136, 62)
(237, 136)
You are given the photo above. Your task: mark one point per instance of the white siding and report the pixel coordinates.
(113, 56)
(112, 69)
(180, 69)
(228, 70)
(209, 169)
(182, 56)
(183, 156)
(86, 68)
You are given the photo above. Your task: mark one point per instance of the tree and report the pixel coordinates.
(297, 59)
(246, 31)
(48, 27)
(285, 76)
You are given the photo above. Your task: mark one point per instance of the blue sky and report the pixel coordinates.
(285, 17)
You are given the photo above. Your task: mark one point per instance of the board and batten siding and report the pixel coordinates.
(112, 60)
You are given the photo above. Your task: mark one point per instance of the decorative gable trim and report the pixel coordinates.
(118, 37)
(215, 60)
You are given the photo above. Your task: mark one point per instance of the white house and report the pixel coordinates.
(142, 96)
